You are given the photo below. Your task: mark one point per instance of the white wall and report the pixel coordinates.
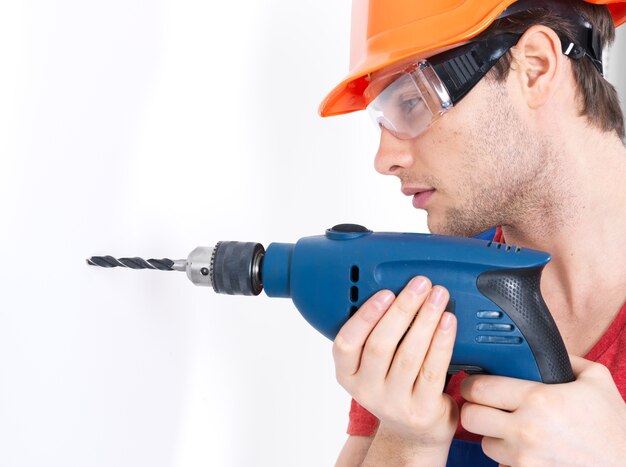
(143, 128)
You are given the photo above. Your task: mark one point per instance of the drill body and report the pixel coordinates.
(504, 327)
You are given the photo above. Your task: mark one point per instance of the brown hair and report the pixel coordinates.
(599, 101)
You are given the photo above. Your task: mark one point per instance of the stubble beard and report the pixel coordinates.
(510, 175)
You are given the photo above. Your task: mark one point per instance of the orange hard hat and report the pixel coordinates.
(385, 32)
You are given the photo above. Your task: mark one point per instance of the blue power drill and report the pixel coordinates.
(504, 327)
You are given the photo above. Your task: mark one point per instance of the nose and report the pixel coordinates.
(393, 154)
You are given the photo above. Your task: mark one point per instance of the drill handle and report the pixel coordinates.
(517, 292)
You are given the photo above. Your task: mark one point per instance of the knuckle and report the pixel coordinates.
(430, 375)
(442, 342)
(341, 347)
(377, 350)
(467, 415)
(406, 361)
(406, 306)
(540, 398)
(429, 314)
(478, 388)
(528, 435)
(368, 312)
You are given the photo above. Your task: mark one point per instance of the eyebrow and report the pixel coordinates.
(400, 88)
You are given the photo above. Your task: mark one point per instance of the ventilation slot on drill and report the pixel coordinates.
(354, 290)
(354, 294)
(354, 274)
(507, 248)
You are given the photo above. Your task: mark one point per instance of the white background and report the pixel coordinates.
(145, 128)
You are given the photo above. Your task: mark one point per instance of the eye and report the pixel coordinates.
(408, 103)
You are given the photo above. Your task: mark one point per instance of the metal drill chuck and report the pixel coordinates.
(232, 268)
(199, 266)
(236, 268)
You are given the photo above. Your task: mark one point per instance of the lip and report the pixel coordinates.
(412, 191)
(420, 195)
(420, 199)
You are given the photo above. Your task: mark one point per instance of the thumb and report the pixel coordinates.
(579, 364)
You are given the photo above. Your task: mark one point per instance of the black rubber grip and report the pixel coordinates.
(517, 292)
(234, 268)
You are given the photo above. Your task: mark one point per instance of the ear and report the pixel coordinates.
(538, 63)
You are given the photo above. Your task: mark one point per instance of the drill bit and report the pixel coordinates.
(232, 268)
(164, 264)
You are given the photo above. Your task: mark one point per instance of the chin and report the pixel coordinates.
(453, 229)
(437, 228)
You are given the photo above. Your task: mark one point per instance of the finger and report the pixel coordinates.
(432, 376)
(411, 353)
(383, 342)
(499, 392)
(485, 421)
(349, 342)
(496, 449)
(410, 356)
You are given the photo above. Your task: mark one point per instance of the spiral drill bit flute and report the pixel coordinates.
(164, 264)
(504, 327)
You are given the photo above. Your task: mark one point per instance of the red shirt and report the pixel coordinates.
(609, 351)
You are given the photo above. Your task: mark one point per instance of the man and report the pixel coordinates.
(492, 113)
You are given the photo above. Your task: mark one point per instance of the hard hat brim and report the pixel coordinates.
(426, 35)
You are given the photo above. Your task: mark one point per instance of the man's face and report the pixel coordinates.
(485, 164)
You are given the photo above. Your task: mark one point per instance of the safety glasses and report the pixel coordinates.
(408, 101)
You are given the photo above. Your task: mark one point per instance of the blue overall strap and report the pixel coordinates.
(468, 454)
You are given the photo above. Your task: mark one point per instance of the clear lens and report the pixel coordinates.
(411, 103)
